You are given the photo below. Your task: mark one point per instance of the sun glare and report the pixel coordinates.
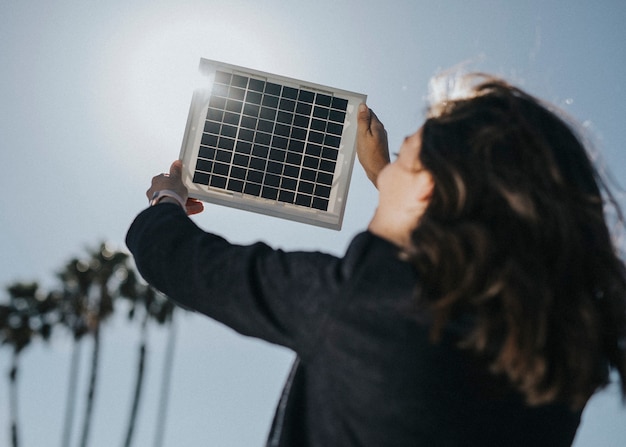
(152, 70)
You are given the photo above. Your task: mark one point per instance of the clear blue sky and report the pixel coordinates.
(93, 102)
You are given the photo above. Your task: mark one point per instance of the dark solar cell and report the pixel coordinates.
(238, 173)
(265, 126)
(332, 140)
(223, 156)
(291, 171)
(306, 187)
(252, 189)
(290, 92)
(255, 176)
(258, 163)
(320, 204)
(201, 178)
(306, 96)
(280, 142)
(220, 168)
(288, 183)
(284, 117)
(273, 89)
(320, 112)
(246, 135)
(235, 185)
(307, 174)
(268, 113)
(311, 162)
(231, 118)
(327, 166)
(282, 129)
(269, 193)
(303, 108)
(287, 105)
(228, 130)
(318, 124)
(214, 114)
(301, 121)
(262, 138)
(226, 143)
(303, 200)
(270, 101)
(272, 180)
(256, 85)
(240, 81)
(217, 181)
(330, 153)
(206, 152)
(285, 196)
(316, 137)
(339, 103)
(337, 116)
(296, 145)
(212, 127)
(313, 149)
(293, 158)
(322, 191)
(208, 140)
(204, 165)
(254, 97)
(274, 167)
(334, 128)
(322, 100)
(243, 147)
(248, 122)
(251, 110)
(241, 160)
(324, 178)
(260, 150)
(298, 133)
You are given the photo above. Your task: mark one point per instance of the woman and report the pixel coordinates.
(483, 306)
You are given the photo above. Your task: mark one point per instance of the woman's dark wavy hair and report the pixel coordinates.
(515, 237)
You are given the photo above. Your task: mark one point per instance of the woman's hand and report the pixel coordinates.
(173, 182)
(371, 143)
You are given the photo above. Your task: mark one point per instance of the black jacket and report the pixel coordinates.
(366, 374)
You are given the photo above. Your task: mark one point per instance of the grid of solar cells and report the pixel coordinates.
(269, 140)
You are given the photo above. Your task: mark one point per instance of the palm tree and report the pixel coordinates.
(76, 280)
(89, 289)
(104, 264)
(155, 307)
(26, 316)
(168, 363)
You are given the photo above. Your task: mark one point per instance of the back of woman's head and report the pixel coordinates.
(515, 236)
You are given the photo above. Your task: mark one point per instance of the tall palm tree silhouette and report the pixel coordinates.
(156, 307)
(89, 288)
(104, 263)
(27, 315)
(76, 280)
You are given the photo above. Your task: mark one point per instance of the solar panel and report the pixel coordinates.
(270, 144)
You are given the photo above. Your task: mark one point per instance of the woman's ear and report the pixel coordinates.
(424, 185)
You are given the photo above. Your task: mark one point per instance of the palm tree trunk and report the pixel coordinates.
(92, 386)
(138, 380)
(70, 403)
(168, 363)
(13, 408)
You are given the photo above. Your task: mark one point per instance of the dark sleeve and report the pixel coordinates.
(278, 296)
